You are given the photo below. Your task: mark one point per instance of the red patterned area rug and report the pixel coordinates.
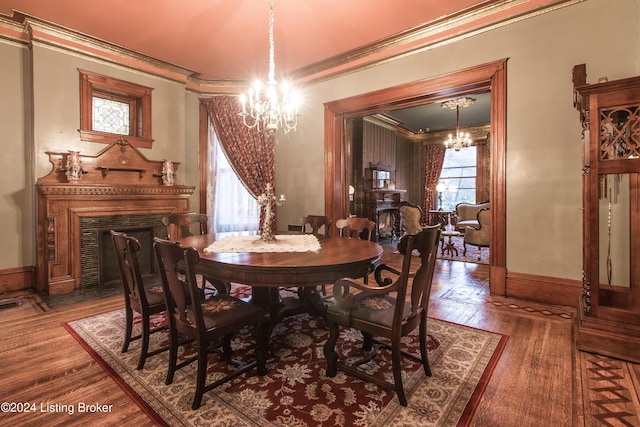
(296, 391)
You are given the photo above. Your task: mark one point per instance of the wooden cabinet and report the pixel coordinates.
(382, 198)
(608, 319)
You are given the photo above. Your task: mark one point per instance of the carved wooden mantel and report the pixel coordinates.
(117, 181)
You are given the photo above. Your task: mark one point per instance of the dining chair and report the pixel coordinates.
(356, 227)
(206, 322)
(315, 224)
(384, 319)
(142, 295)
(181, 225)
(318, 225)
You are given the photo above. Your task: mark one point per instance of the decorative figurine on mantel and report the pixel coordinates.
(167, 173)
(74, 167)
(265, 200)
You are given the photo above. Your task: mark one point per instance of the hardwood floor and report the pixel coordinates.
(540, 380)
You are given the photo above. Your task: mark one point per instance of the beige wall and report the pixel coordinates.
(543, 129)
(17, 206)
(57, 108)
(54, 121)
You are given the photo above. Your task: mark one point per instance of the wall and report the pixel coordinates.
(16, 191)
(49, 120)
(543, 131)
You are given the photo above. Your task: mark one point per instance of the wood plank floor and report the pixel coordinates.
(541, 380)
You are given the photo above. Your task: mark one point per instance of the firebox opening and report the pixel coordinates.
(98, 264)
(109, 264)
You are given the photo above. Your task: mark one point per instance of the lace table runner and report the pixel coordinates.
(284, 243)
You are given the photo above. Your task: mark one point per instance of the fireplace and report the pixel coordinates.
(121, 190)
(97, 255)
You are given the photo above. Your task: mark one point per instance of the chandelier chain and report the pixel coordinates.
(270, 107)
(272, 54)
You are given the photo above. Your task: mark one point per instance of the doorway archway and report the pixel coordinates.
(490, 76)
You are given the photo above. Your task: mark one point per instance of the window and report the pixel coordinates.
(111, 109)
(230, 206)
(459, 177)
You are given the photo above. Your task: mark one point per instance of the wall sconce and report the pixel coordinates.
(352, 191)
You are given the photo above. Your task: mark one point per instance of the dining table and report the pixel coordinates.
(270, 269)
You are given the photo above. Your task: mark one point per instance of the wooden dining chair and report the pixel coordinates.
(359, 228)
(206, 322)
(383, 319)
(142, 294)
(181, 225)
(316, 224)
(356, 227)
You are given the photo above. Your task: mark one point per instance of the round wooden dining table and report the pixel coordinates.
(266, 272)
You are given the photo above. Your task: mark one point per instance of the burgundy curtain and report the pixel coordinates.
(251, 154)
(434, 159)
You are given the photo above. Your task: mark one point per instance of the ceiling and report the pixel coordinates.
(433, 117)
(228, 40)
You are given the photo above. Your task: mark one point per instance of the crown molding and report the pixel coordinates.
(481, 17)
(476, 19)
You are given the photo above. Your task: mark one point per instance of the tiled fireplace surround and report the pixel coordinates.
(98, 265)
(120, 189)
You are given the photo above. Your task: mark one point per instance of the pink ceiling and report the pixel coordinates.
(228, 39)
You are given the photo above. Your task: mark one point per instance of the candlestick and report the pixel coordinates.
(265, 200)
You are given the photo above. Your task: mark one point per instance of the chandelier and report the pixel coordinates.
(461, 140)
(267, 107)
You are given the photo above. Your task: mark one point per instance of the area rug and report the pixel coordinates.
(296, 391)
(458, 253)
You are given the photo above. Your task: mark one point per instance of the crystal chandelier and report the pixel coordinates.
(267, 107)
(461, 140)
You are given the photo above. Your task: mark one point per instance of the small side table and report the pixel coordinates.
(447, 245)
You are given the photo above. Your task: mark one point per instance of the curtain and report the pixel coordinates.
(237, 209)
(434, 159)
(250, 153)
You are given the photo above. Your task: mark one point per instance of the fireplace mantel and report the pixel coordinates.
(117, 181)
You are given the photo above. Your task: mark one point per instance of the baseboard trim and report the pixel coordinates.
(17, 279)
(543, 289)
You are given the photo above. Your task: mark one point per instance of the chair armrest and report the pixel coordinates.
(384, 281)
(341, 288)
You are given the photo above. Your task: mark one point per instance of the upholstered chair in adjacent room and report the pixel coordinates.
(384, 318)
(142, 294)
(480, 236)
(411, 215)
(206, 322)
